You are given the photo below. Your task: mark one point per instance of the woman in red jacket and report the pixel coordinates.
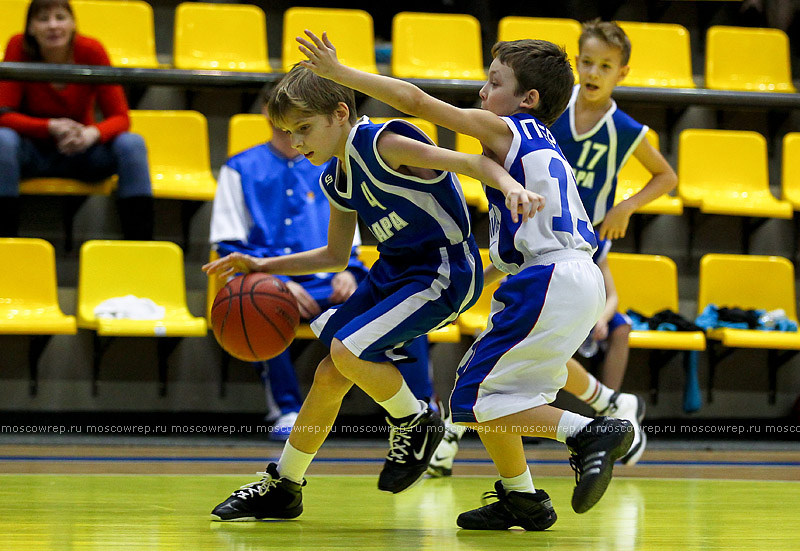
(49, 129)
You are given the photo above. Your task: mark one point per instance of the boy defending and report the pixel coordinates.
(427, 273)
(540, 315)
(597, 139)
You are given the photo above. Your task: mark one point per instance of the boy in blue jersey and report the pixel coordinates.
(428, 272)
(597, 139)
(268, 203)
(540, 314)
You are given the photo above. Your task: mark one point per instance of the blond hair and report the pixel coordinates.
(302, 90)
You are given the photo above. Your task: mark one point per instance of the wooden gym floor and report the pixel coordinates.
(83, 496)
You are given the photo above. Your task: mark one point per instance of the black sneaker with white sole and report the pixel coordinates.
(528, 511)
(270, 497)
(594, 450)
(412, 441)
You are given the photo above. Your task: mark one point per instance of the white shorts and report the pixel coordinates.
(538, 320)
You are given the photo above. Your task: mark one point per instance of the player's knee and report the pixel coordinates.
(329, 377)
(341, 356)
(621, 332)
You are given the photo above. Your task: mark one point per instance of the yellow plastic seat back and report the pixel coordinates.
(633, 176)
(124, 27)
(563, 32)
(223, 37)
(645, 283)
(748, 59)
(350, 30)
(437, 45)
(426, 126)
(790, 173)
(178, 153)
(725, 172)
(29, 290)
(246, 130)
(748, 282)
(145, 269)
(473, 189)
(660, 55)
(12, 20)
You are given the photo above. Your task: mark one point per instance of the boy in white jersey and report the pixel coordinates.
(542, 313)
(402, 187)
(597, 139)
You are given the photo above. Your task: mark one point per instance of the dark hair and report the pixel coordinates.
(541, 66)
(302, 90)
(29, 44)
(610, 33)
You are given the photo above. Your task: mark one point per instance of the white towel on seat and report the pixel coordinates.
(129, 307)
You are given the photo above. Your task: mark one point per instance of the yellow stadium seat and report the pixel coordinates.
(29, 298)
(350, 30)
(790, 173)
(749, 282)
(426, 126)
(145, 269)
(725, 172)
(177, 149)
(246, 130)
(12, 21)
(563, 32)
(748, 59)
(633, 176)
(648, 284)
(178, 154)
(124, 27)
(660, 55)
(437, 46)
(473, 189)
(222, 37)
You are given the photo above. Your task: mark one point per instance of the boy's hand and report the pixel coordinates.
(615, 224)
(234, 263)
(522, 201)
(306, 304)
(321, 54)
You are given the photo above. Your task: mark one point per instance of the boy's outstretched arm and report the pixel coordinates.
(664, 180)
(397, 151)
(333, 257)
(404, 96)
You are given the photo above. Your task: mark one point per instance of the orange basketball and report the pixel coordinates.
(254, 317)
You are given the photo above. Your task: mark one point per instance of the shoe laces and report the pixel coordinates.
(399, 440)
(260, 487)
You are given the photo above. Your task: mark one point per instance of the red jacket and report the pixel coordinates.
(33, 104)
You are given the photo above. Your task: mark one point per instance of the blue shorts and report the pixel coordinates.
(402, 298)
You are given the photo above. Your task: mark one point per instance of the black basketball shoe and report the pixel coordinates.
(270, 497)
(412, 441)
(528, 511)
(594, 450)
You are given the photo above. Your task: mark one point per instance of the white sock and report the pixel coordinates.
(403, 403)
(458, 430)
(293, 463)
(520, 483)
(570, 424)
(597, 395)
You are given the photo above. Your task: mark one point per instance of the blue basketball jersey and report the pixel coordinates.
(562, 227)
(406, 214)
(597, 155)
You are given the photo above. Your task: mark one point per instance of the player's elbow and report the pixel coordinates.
(670, 180)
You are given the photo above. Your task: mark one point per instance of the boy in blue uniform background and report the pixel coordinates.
(429, 271)
(269, 203)
(597, 139)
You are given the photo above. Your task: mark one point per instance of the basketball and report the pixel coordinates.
(254, 317)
